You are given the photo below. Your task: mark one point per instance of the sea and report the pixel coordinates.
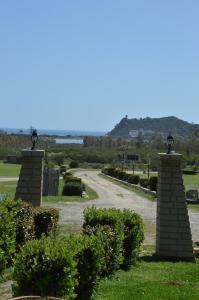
(55, 132)
(62, 136)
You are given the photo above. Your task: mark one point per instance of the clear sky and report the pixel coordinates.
(85, 64)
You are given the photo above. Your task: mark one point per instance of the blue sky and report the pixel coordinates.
(83, 65)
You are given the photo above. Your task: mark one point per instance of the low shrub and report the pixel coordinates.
(133, 236)
(89, 256)
(25, 230)
(46, 268)
(45, 220)
(73, 164)
(153, 181)
(8, 211)
(121, 175)
(72, 189)
(144, 182)
(72, 179)
(93, 218)
(2, 261)
(108, 241)
(134, 179)
(62, 169)
(109, 171)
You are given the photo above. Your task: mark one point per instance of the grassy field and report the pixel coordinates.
(151, 279)
(9, 189)
(10, 170)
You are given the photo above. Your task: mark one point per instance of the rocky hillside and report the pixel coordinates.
(150, 126)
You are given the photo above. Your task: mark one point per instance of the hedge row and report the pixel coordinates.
(20, 223)
(150, 183)
(73, 186)
(71, 267)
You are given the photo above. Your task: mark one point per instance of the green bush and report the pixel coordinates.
(89, 256)
(93, 218)
(25, 230)
(45, 267)
(133, 236)
(108, 241)
(121, 174)
(135, 179)
(45, 220)
(72, 179)
(72, 189)
(144, 182)
(73, 164)
(153, 181)
(109, 171)
(62, 169)
(8, 211)
(2, 261)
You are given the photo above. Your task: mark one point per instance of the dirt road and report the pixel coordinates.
(112, 195)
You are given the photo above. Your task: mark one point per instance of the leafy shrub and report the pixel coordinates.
(108, 241)
(25, 230)
(89, 256)
(2, 261)
(109, 171)
(134, 179)
(144, 182)
(153, 183)
(93, 218)
(72, 189)
(72, 179)
(47, 268)
(45, 220)
(73, 164)
(133, 236)
(8, 210)
(121, 175)
(62, 169)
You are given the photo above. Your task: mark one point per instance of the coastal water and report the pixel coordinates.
(54, 132)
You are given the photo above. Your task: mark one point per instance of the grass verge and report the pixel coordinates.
(9, 170)
(152, 279)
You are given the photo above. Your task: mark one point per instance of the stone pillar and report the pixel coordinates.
(173, 233)
(29, 187)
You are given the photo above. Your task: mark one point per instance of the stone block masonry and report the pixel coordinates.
(29, 187)
(173, 233)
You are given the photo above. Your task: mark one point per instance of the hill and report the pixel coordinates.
(150, 126)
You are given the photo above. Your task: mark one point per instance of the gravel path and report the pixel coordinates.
(112, 195)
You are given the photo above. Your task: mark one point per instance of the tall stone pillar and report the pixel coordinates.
(29, 187)
(173, 233)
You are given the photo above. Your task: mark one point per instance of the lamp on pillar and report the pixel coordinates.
(34, 138)
(170, 142)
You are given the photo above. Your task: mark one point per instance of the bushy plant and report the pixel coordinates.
(109, 171)
(93, 218)
(153, 183)
(133, 179)
(62, 169)
(121, 175)
(72, 189)
(89, 256)
(8, 210)
(25, 230)
(45, 220)
(2, 261)
(144, 182)
(73, 164)
(72, 179)
(133, 236)
(46, 268)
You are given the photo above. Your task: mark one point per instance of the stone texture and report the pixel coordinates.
(173, 233)
(29, 187)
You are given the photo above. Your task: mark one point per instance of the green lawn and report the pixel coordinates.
(9, 189)
(191, 181)
(10, 170)
(153, 280)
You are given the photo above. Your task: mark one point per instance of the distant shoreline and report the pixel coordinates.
(54, 132)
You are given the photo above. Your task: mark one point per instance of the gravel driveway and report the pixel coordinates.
(112, 195)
